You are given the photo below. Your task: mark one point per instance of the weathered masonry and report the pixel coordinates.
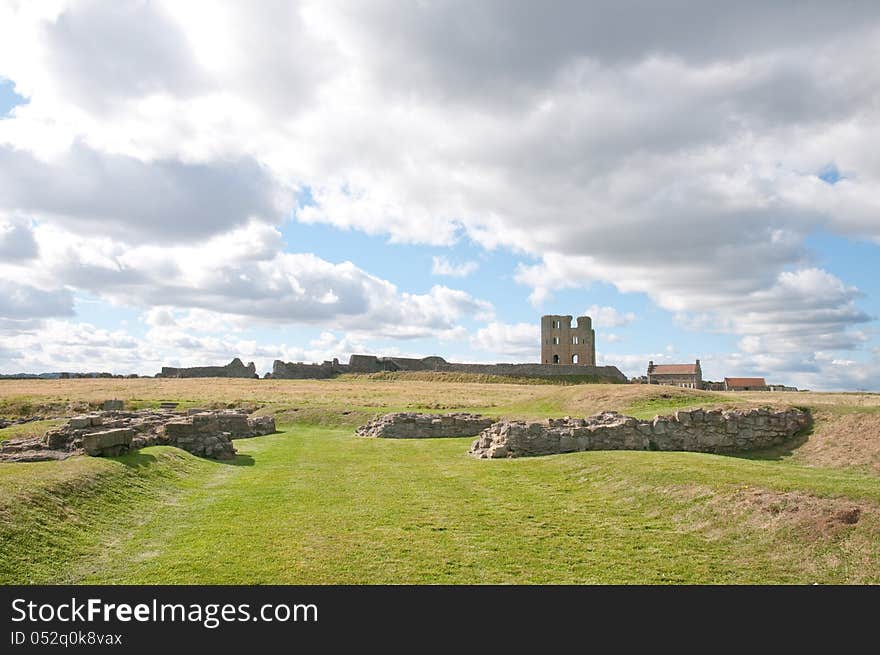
(411, 425)
(110, 433)
(563, 344)
(698, 430)
(372, 364)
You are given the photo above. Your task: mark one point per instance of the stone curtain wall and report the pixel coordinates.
(299, 371)
(409, 425)
(606, 373)
(371, 364)
(713, 431)
(234, 369)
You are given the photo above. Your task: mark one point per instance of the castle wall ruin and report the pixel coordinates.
(712, 431)
(234, 369)
(372, 364)
(411, 425)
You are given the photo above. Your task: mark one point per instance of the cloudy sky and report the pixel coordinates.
(181, 183)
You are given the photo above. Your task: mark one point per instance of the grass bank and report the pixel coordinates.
(318, 505)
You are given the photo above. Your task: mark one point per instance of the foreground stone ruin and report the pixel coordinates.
(111, 433)
(410, 425)
(712, 431)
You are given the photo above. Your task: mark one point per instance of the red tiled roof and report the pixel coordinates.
(674, 369)
(745, 382)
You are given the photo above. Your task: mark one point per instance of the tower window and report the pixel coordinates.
(574, 341)
(555, 341)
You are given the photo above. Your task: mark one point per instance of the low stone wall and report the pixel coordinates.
(259, 426)
(200, 435)
(241, 426)
(713, 431)
(410, 425)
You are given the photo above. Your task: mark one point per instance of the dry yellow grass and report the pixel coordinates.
(400, 392)
(842, 439)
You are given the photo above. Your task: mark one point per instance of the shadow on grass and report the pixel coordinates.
(780, 452)
(238, 460)
(136, 460)
(142, 460)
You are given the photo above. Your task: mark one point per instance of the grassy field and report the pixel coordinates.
(315, 504)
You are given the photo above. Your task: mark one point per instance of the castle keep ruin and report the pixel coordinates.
(563, 344)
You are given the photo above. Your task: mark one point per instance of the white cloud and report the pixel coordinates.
(238, 278)
(609, 317)
(603, 142)
(519, 341)
(442, 266)
(124, 197)
(23, 302)
(16, 240)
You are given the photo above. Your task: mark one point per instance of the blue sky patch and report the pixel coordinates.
(9, 99)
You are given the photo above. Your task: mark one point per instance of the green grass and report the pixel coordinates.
(668, 403)
(55, 513)
(32, 429)
(319, 505)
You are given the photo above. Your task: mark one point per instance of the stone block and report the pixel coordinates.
(260, 425)
(79, 422)
(108, 442)
(235, 424)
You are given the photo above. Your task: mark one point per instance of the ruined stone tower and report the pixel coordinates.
(563, 344)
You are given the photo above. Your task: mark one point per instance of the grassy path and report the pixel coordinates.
(317, 505)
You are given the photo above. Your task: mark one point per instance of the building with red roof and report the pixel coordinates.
(689, 376)
(745, 384)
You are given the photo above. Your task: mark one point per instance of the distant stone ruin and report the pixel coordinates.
(373, 364)
(712, 431)
(111, 433)
(234, 369)
(410, 425)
